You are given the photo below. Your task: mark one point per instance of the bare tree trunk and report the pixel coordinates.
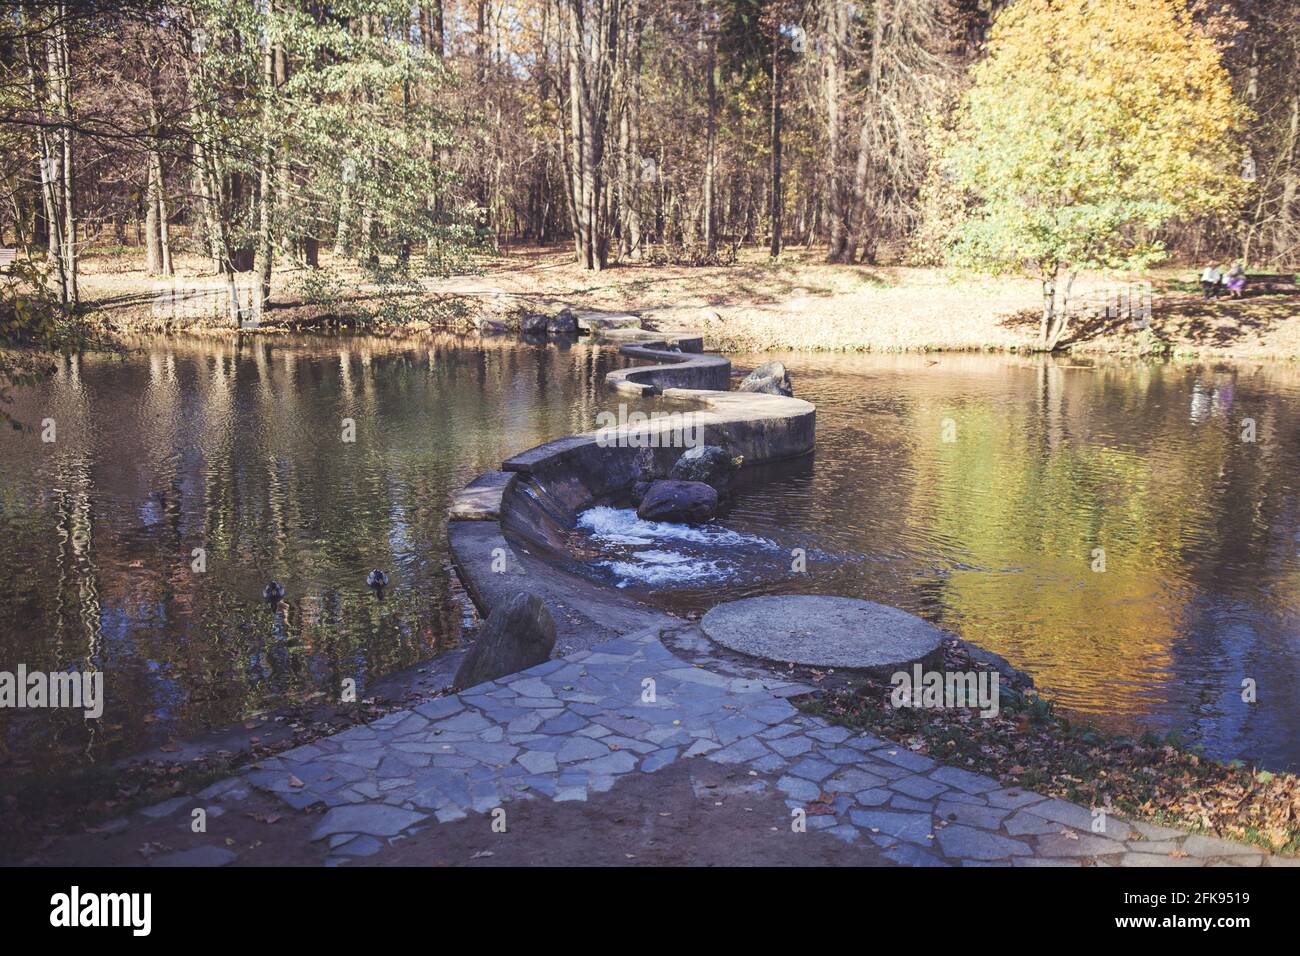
(837, 37)
(571, 134)
(711, 142)
(1284, 239)
(65, 198)
(220, 235)
(1056, 305)
(212, 192)
(778, 198)
(631, 210)
(431, 28)
(49, 164)
(158, 227)
(265, 176)
(342, 235)
(369, 252)
(857, 212)
(206, 200)
(590, 44)
(52, 228)
(152, 254)
(624, 174)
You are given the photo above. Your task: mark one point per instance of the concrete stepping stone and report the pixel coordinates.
(823, 632)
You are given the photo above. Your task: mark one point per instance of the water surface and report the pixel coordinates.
(995, 533)
(239, 450)
(976, 491)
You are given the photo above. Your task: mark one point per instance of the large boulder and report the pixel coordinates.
(710, 464)
(533, 322)
(685, 502)
(517, 635)
(770, 378)
(564, 322)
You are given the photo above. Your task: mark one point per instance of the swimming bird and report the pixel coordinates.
(274, 591)
(377, 579)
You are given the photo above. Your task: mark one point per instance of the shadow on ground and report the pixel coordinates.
(1182, 319)
(693, 813)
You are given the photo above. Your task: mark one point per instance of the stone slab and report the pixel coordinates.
(822, 631)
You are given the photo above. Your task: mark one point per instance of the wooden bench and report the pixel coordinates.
(1263, 282)
(8, 257)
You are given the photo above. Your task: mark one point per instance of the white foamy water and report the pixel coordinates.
(690, 555)
(666, 567)
(621, 526)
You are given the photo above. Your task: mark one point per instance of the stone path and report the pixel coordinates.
(574, 726)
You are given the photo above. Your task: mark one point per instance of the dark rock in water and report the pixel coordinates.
(564, 322)
(1011, 675)
(710, 464)
(533, 322)
(688, 502)
(770, 378)
(638, 491)
(517, 635)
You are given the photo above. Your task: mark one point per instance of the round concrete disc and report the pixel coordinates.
(825, 632)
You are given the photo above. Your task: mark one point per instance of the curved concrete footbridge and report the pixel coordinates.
(509, 530)
(641, 739)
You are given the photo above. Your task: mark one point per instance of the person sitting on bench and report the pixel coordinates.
(1235, 280)
(1210, 279)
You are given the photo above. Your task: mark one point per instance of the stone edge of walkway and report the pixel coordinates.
(572, 727)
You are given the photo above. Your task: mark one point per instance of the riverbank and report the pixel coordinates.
(1028, 744)
(799, 303)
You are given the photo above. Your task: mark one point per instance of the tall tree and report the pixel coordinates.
(590, 35)
(1090, 125)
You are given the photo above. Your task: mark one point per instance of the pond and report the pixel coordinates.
(974, 490)
(1105, 526)
(238, 450)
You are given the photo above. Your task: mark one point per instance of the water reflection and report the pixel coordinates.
(230, 459)
(996, 533)
(238, 450)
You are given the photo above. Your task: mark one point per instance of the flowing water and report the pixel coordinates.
(981, 492)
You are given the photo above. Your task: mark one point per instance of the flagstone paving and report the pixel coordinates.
(575, 726)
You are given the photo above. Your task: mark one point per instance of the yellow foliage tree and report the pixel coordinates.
(1089, 125)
